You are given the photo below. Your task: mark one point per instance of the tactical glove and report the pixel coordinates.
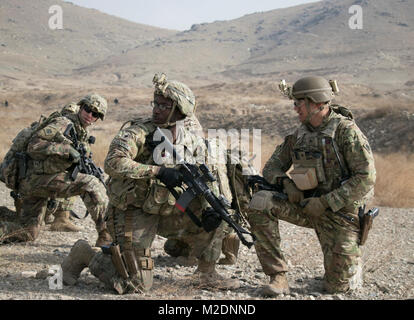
(294, 194)
(210, 219)
(74, 155)
(170, 177)
(315, 207)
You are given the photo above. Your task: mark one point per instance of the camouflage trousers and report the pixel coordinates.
(144, 226)
(338, 237)
(206, 246)
(36, 190)
(62, 204)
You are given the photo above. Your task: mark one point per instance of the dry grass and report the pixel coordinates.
(395, 180)
(395, 172)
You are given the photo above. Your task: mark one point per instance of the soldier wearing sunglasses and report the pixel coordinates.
(50, 157)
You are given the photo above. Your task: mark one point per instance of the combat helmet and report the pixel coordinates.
(311, 89)
(314, 88)
(96, 102)
(178, 92)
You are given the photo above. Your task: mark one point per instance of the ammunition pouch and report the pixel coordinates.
(22, 164)
(308, 170)
(123, 193)
(304, 178)
(159, 200)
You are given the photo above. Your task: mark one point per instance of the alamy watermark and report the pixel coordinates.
(56, 277)
(355, 22)
(219, 147)
(56, 20)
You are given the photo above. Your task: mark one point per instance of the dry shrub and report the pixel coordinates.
(395, 180)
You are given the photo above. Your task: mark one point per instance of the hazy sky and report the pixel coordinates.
(181, 14)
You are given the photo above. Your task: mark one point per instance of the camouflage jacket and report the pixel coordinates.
(346, 186)
(132, 168)
(48, 148)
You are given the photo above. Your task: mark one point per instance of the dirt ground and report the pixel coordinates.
(388, 265)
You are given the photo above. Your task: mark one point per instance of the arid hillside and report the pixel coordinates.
(300, 40)
(29, 48)
(96, 48)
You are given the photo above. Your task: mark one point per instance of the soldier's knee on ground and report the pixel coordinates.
(348, 277)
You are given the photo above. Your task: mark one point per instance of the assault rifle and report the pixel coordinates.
(262, 184)
(195, 177)
(86, 164)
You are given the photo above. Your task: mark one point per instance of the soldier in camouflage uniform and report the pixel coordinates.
(58, 209)
(140, 204)
(177, 247)
(333, 175)
(51, 155)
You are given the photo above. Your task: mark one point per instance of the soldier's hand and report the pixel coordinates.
(293, 193)
(315, 207)
(210, 219)
(170, 177)
(74, 156)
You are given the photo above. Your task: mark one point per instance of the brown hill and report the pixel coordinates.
(28, 47)
(307, 39)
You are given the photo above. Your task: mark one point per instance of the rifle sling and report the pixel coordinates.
(188, 211)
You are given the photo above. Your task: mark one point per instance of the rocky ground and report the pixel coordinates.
(388, 266)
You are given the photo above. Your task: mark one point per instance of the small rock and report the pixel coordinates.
(29, 274)
(42, 274)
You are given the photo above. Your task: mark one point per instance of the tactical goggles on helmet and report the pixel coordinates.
(88, 109)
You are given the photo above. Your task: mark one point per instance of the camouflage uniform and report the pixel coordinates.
(60, 204)
(48, 177)
(178, 247)
(140, 205)
(338, 236)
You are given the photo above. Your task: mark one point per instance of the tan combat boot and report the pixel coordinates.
(207, 277)
(104, 238)
(62, 222)
(278, 285)
(79, 257)
(230, 249)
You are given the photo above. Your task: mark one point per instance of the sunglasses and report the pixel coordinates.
(297, 103)
(162, 107)
(88, 109)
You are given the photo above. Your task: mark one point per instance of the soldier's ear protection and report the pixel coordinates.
(334, 86)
